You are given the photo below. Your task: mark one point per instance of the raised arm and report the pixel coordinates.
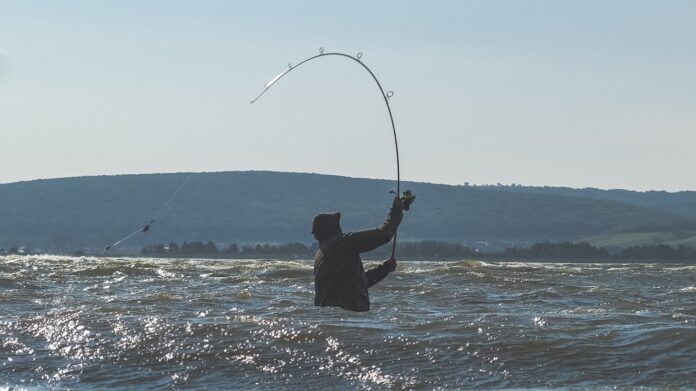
(370, 239)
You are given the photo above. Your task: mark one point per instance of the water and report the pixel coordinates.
(90, 323)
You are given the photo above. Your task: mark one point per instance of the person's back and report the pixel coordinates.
(339, 277)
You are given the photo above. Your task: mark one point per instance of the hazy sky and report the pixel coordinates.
(584, 93)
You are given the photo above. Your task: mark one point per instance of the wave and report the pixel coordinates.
(166, 323)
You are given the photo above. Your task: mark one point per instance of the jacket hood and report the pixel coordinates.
(326, 225)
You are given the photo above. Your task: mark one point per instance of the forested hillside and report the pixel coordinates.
(271, 207)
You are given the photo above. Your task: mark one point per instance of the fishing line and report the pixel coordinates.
(146, 227)
(386, 95)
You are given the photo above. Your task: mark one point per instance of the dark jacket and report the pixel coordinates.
(339, 277)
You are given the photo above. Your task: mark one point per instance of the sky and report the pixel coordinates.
(559, 93)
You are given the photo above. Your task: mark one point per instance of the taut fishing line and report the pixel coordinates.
(146, 227)
(385, 95)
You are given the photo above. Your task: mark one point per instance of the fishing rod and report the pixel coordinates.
(146, 227)
(407, 197)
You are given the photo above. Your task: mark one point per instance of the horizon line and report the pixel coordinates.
(465, 184)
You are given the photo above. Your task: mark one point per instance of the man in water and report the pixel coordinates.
(339, 277)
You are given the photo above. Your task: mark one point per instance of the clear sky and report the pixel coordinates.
(583, 93)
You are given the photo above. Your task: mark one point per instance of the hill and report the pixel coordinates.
(682, 203)
(271, 207)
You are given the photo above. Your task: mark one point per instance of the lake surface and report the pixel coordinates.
(93, 323)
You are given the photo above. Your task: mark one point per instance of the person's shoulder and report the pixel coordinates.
(348, 235)
(332, 241)
(343, 237)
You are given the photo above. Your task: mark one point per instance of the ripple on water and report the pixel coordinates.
(156, 323)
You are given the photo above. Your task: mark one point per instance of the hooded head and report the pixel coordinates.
(326, 225)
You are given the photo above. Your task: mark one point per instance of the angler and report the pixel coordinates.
(339, 276)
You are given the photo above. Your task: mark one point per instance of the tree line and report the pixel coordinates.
(426, 250)
(16, 251)
(432, 249)
(294, 250)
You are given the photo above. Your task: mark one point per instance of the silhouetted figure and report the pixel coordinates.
(339, 277)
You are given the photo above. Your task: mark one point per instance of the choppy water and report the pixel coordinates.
(92, 323)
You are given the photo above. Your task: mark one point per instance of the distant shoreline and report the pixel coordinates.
(205, 257)
(427, 250)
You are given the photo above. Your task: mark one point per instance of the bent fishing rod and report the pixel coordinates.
(408, 197)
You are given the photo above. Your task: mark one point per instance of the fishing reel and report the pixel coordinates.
(407, 197)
